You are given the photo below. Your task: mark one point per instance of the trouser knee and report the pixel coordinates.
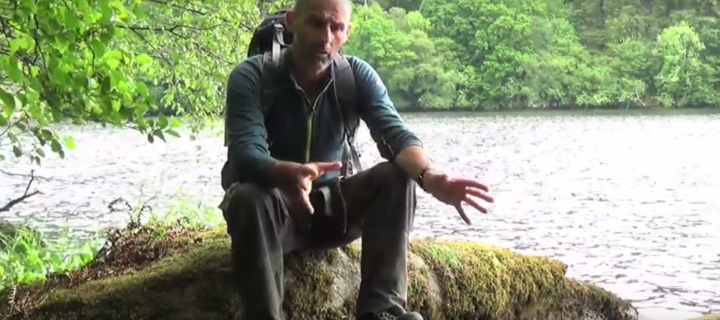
(397, 190)
(249, 206)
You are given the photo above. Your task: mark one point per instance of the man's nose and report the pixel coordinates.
(326, 35)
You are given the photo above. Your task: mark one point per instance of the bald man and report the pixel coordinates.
(281, 159)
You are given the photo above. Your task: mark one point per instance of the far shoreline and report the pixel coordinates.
(599, 111)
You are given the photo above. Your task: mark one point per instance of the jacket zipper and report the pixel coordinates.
(310, 117)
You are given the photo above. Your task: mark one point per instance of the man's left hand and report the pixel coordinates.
(455, 191)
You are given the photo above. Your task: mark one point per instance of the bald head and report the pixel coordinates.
(301, 5)
(320, 28)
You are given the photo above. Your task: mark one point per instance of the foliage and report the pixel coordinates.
(115, 62)
(27, 255)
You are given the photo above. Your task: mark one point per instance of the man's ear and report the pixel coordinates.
(290, 19)
(347, 30)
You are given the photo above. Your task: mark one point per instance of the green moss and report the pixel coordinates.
(715, 316)
(487, 282)
(155, 292)
(353, 251)
(314, 274)
(447, 280)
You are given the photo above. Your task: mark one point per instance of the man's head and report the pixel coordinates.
(320, 28)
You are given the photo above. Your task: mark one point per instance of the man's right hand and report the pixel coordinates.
(298, 180)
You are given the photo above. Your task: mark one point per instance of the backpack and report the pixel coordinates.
(271, 38)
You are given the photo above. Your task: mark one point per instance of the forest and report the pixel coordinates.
(516, 54)
(118, 61)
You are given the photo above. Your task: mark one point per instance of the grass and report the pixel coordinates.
(27, 255)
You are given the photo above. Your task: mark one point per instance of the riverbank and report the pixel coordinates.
(570, 111)
(176, 261)
(180, 272)
(635, 110)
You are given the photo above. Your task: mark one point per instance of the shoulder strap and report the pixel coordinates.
(345, 83)
(346, 93)
(271, 66)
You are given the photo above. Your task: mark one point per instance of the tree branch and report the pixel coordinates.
(27, 194)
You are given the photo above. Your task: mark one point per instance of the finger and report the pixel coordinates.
(461, 211)
(475, 205)
(308, 170)
(306, 203)
(471, 183)
(480, 195)
(325, 166)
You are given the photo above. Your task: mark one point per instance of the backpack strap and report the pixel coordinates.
(346, 95)
(272, 61)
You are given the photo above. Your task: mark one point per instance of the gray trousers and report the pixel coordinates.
(380, 203)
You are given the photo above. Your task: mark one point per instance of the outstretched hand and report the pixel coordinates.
(455, 191)
(303, 176)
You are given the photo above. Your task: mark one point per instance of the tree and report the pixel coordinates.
(113, 62)
(681, 80)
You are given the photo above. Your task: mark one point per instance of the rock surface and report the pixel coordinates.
(448, 280)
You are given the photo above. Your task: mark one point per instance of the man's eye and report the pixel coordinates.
(316, 23)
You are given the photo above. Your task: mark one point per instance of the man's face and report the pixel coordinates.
(320, 28)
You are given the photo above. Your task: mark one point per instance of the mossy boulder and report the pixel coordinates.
(714, 316)
(448, 280)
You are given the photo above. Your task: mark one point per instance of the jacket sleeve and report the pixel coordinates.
(387, 129)
(245, 132)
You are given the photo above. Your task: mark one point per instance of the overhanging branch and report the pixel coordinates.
(27, 194)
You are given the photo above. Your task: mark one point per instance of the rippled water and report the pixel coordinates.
(628, 200)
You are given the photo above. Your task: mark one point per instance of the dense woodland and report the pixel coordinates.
(508, 54)
(117, 61)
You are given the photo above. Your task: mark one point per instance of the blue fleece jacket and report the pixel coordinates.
(295, 130)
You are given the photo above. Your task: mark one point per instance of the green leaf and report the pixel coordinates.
(106, 10)
(172, 133)
(69, 142)
(112, 63)
(3, 120)
(71, 20)
(143, 59)
(55, 146)
(46, 134)
(142, 89)
(162, 122)
(7, 99)
(13, 70)
(97, 47)
(160, 135)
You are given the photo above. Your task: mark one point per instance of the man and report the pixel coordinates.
(279, 159)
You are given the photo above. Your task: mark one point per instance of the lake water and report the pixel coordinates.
(629, 200)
